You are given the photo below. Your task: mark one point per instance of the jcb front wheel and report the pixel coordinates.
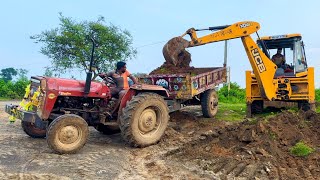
(67, 134)
(144, 119)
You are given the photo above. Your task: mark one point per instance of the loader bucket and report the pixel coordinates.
(175, 54)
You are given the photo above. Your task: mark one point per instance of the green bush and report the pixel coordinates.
(301, 149)
(235, 95)
(318, 95)
(13, 89)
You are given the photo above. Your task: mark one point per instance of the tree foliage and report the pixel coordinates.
(13, 89)
(69, 46)
(7, 74)
(318, 95)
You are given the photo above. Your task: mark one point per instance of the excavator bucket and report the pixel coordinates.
(175, 54)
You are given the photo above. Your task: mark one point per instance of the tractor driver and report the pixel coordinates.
(120, 77)
(279, 59)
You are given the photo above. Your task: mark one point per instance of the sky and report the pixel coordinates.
(153, 23)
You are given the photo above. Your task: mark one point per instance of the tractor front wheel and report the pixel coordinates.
(144, 119)
(67, 134)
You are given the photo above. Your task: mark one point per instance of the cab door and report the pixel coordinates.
(299, 59)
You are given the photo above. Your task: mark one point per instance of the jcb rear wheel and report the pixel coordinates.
(305, 106)
(34, 132)
(144, 119)
(67, 134)
(209, 103)
(257, 107)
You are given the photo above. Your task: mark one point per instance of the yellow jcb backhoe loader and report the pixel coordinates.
(267, 82)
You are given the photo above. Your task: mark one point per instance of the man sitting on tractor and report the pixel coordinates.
(120, 77)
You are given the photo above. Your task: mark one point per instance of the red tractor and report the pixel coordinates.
(62, 109)
(61, 112)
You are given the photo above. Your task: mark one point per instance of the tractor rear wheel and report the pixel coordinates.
(67, 134)
(144, 119)
(34, 132)
(209, 103)
(107, 129)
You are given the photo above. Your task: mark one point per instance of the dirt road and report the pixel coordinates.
(192, 148)
(22, 157)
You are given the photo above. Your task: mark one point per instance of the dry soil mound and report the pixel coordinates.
(258, 149)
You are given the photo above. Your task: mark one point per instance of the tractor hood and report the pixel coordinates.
(71, 87)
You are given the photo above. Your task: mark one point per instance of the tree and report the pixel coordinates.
(7, 74)
(22, 74)
(69, 46)
(48, 72)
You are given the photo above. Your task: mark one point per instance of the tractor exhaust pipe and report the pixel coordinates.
(89, 74)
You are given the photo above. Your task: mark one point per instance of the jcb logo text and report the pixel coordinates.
(244, 25)
(258, 60)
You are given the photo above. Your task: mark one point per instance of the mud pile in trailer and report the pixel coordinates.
(177, 59)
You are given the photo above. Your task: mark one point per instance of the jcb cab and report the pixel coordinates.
(294, 81)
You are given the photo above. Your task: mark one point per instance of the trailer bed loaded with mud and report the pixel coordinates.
(190, 86)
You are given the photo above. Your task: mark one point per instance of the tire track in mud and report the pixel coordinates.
(154, 162)
(219, 167)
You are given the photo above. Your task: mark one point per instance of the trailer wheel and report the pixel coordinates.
(209, 103)
(67, 134)
(32, 131)
(107, 129)
(144, 119)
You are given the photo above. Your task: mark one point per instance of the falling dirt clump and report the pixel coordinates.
(177, 59)
(261, 146)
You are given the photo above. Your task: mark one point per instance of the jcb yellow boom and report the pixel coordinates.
(268, 82)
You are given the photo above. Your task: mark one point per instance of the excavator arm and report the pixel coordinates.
(263, 68)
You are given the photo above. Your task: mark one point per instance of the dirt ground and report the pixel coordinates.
(192, 148)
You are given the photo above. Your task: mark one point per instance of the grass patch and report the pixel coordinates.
(318, 107)
(273, 135)
(231, 111)
(235, 112)
(4, 99)
(301, 149)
